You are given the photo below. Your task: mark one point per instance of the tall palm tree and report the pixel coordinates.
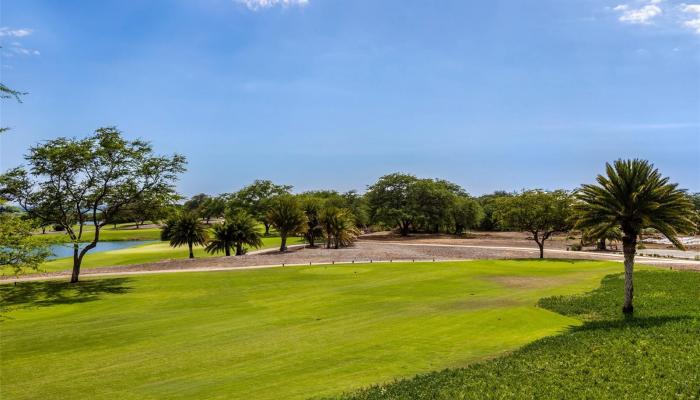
(184, 229)
(237, 231)
(287, 217)
(633, 196)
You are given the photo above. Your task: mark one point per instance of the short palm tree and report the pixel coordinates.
(184, 229)
(239, 229)
(633, 196)
(287, 217)
(339, 227)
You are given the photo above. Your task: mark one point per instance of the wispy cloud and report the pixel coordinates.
(642, 15)
(6, 31)
(262, 4)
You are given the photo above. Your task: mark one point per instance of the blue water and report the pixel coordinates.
(66, 250)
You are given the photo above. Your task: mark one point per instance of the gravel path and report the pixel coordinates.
(363, 251)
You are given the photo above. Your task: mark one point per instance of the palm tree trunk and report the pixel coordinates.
(601, 244)
(189, 244)
(228, 251)
(629, 248)
(239, 249)
(283, 245)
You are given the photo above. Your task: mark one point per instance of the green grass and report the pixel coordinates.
(655, 355)
(144, 254)
(107, 234)
(283, 333)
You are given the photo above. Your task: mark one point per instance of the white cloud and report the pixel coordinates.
(643, 15)
(7, 31)
(260, 4)
(17, 48)
(693, 23)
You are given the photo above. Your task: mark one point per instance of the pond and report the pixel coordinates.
(66, 249)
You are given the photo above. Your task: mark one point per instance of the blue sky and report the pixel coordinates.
(334, 93)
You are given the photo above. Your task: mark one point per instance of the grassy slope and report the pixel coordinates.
(143, 254)
(269, 334)
(655, 355)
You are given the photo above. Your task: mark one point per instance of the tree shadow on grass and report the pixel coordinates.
(51, 293)
(631, 323)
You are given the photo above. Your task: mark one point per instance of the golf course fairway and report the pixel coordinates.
(281, 333)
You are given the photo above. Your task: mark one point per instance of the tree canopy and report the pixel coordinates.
(538, 212)
(71, 182)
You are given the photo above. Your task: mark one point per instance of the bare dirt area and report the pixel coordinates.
(373, 250)
(503, 239)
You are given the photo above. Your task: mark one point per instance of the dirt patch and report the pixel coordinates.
(525, 282)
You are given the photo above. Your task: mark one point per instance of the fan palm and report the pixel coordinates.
(184, 229)
(338, 225)
(237, 231)
(287, 217)
(633, 196)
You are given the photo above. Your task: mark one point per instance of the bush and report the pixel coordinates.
(575, 247)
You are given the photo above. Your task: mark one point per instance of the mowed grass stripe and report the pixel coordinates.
(279, 333)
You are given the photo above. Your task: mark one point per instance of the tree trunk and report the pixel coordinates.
(541, 249)
(189, 245)
(404, 228)
(43, 230)
(267, 228)
(228, 251)
(239, 249)
(76, 263)
(283, 245)
(629, 248)
(601, 244)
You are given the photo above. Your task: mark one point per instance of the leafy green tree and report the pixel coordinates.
(466, 214)
(196, 203)
(431, 202)
(256, 199)
(88, 180)
(153, 207)
(389, 201)
(538, 212)
(18, 251)
(185, 229)
(633, 196)
(7, 93)
(213, 207)
(488, 222)
(287, 216)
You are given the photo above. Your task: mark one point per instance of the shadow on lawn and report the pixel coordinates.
(50, 293)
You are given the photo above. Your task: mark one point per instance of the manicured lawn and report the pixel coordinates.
(280, 333)
(655, 355)
(143, 254)
(108, 234)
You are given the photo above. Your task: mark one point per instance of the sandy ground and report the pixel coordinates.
(373, 249)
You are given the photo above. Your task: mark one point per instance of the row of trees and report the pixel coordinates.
(315, 215)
